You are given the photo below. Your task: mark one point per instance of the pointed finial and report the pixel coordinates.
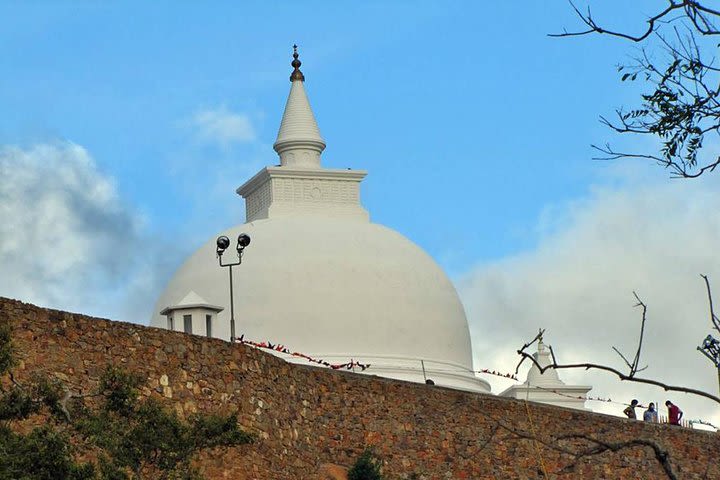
(296, 74)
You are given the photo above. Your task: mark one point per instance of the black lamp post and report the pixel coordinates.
(223, 243)
(711, 349)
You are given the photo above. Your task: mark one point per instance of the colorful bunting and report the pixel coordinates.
(497, 374)
(283, 349)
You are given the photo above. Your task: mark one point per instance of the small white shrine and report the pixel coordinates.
(192, 314)
(547, 387)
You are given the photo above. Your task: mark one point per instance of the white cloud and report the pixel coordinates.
(223, 127)
(578, 284)
(66, 240)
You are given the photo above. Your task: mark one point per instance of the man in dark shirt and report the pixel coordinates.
(674, 413)
(630, 410)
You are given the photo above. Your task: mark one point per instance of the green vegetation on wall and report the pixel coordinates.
(130, 438)
(366, 467)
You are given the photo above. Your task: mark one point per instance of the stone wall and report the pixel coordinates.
(306, 417)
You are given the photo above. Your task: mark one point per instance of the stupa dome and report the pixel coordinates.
(321, 279)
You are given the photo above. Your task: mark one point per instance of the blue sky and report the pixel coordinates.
(474, 125)
(476, 99)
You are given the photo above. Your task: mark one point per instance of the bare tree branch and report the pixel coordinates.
(600, 446)
(697, 13)
(636, 361)
(556, 444)
(552, 354)
(678, 169)
(527, 345)
(713, 318)
(633, 366)
(490, 438)
(620, 375)
(625, 359)
(61, 403)
(682, 108)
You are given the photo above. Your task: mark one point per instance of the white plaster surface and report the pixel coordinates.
(299, 143)
(281, 191)
(322, 280)
(340, 290)
(197, 307)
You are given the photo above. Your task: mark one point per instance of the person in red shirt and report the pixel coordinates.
(674, 413)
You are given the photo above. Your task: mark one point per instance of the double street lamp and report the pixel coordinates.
(223, 243)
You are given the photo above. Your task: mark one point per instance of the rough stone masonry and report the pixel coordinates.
(308, 417)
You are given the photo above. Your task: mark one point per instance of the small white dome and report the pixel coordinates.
(547, 387)
(550, 377)
(337, 289)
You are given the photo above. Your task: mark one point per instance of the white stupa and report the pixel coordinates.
(546, 387)
(323, 280)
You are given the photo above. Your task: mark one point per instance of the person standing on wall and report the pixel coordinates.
(630, 410)
(674, 413)
(650, 414)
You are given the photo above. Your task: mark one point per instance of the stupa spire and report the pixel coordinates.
(298, 143)
(296, 74)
